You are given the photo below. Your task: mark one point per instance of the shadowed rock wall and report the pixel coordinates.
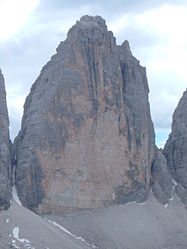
(175, 149)
(5, 158)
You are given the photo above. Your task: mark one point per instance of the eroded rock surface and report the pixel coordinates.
(161, 181)
(87, 138)
(176, 148)
(5, 159)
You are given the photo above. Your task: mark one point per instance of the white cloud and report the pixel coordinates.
(165, 60)
(13, 16)
(120, 24)
(15, 107)
(169, 23)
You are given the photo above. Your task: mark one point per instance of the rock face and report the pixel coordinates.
(161, 179)
(176, 148)
(87, 138)
(5, 158)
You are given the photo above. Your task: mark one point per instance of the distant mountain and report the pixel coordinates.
(87, 139)
(5, 156)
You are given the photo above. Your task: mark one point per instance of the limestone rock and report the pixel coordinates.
(175, 149)
(5, 159)
(87, 138)
(161, 181)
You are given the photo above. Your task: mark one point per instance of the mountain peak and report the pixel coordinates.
(88, 150)
(89, 26)
(90, 30)
(93, 19)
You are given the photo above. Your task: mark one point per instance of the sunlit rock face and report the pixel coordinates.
(87, 138)
(175, 149)
(5, 158)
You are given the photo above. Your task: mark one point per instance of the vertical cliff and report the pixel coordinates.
(5, 162)
(175, 149)
(87, 138)
(161, 179)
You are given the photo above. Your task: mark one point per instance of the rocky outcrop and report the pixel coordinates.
(175, 149)
(87, 138)
(161, 179)
(5, 159)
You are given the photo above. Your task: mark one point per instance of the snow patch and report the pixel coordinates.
(166, 205)
(61, 227)
(23, 241)
(69, 233)
(174, 185)
(174, 182)
(141, 203)
(130, 203)
(15, 196)
(7, 220)
(14, 190)
(14, 244)
(171, 199)
(136, 203)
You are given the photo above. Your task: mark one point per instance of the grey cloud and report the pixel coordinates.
(137, 38)
(21, 59)
(107, 5)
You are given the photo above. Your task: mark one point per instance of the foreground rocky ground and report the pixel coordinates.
(22, 229)
(132, 226)
(148, 225)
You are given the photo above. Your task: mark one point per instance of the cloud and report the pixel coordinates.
(162, 136)
(13, 15)
(109, 7)
(158, 38)
(166, 60)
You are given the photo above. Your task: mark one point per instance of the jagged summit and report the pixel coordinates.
(87, 138)
(89, 23)
(90, 19)
(93, 19)
(90, 30)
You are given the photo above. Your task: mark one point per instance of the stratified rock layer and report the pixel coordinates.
(176, 148)
(87, 138)
(5, 162)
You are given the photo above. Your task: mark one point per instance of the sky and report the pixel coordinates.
(30, 31)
